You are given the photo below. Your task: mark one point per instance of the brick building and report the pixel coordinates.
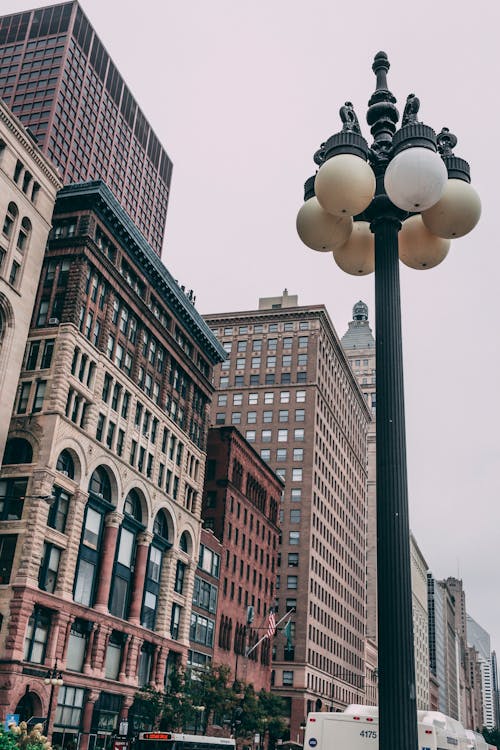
(240, 505)
(287, 385)
(100, 511)
(57, 78)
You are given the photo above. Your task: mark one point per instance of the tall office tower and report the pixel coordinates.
(443, 645)
(359, 345)
(420, 605)
(480, 639)
(496, 691)
(241, 501)
(286, 384)
(100, 491)
(28, 190)
(57, 77)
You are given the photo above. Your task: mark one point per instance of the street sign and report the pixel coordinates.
(11, 719)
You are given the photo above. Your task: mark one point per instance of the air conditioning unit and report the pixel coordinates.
(100, 495)
(64, 473)
(53, 321)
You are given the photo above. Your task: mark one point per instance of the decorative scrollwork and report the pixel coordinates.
(411, 110)
(349, 118)
(446, 142)
(319, 156)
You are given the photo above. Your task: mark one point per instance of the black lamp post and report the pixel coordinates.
(53, 678)
(403, 198)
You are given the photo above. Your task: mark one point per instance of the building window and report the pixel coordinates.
(113, 655)
(202, 630)
(293, 559)
(47, 576)
(39, 395)
(175, 621)
(282, 436)
(7, 552)
(12, 492)
(287, 677)
(253, 398)
(69, 707)
(24, 394)
(296, 475)
(292, 582)
(250, 436)
(298, 434)
(283, 415)
(77, 645)
(222, 399)
(296, 495)
(294, 537)
(265, 454)
(10, 218)
(281, 454)
(37, 633)
(300, 396)
(236, 417)
(295, 515)
(179, 577)
(24, 235)
(269, 397)
(266, 436)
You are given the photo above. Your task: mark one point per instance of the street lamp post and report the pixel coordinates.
(403, 198)
(53, 678)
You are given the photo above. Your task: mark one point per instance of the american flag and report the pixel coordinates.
(271, 625)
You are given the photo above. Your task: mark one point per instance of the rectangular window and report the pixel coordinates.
(7, 552)
(292, 582)
(296, 475)
(272, 343)
(32, 357)
(12, 493)
(271, 362)
(298, 434)
(24, 395)
(303, 341)
(296, 495)
(47, 576)
(222, 399)
(283, 415)
(298, 454)
(302, 360)
(251, 417)
(300, 415)
(300, 396)
(242, 346)
(236, 417)
(282, 436)
(77, 645)
(266, 436)
(250, 436)
(37, 635)
(281, 454)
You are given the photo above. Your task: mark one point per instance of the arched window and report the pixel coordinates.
(157, 549)
(24, 234)
(132, 506)
(119, 598)
(65, 464)
(183, 542)
(90, 551)
(10, 219)
(100, 485)
(160, 527)
(18, 451)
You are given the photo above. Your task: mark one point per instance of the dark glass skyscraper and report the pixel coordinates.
(57, 77)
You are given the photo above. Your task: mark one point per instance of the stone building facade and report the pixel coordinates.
(287, 385)
(101, 494)
(28, 186)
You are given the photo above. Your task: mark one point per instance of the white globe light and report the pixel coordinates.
(419, 248)
(345, 185)
(320, 230)
(456, 213)
(415, 179)
(357, 256)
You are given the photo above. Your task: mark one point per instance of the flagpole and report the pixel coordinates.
(287, 614)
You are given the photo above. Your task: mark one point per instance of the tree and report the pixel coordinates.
(492, 736)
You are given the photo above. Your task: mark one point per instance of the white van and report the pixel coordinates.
(356, 728)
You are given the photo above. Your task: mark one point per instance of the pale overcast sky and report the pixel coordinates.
(241, 94)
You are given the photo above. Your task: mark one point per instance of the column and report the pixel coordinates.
(123, 664)
(88, 711)
(87, 662)
(112, 522)
(141, 561)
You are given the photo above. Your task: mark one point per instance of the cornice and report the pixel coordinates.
(97, 196)
(18, 130)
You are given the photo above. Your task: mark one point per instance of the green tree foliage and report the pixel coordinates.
(206, 697)
(24, 739)
(492, 736)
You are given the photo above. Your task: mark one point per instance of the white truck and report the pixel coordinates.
(356, 728)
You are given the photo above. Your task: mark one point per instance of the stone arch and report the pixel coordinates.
(163, 518)
(18, 450)
(103, 463)
(186, 542)
(77, 454)
(28, 704)
(143, 497)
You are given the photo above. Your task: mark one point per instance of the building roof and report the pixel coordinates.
(359, 334)
(97, 196)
